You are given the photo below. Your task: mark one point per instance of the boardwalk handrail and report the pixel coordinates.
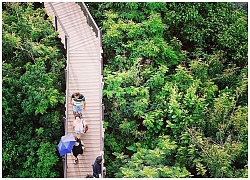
(67, 79)
(90, 19)
(91, 22)
(54, 11)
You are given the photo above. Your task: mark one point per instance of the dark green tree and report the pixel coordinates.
(175, 70)
(33, 92)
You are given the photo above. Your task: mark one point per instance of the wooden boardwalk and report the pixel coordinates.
(84, 76)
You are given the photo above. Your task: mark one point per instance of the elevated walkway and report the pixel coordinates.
(84, 75)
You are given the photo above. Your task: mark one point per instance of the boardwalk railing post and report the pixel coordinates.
(56, 23)
(66, 43)
(65, 74)
(64, 159)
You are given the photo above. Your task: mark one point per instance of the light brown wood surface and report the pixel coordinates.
(84, 77)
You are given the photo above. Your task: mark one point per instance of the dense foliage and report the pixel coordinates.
(175, 89)
(33, 96)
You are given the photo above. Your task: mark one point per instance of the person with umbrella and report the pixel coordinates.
(78, 149)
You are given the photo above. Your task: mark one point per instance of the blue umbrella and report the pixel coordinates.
(66, 144)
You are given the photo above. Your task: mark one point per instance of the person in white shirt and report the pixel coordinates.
(78, 126)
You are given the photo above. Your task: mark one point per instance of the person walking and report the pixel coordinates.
(79, 103)
(78, 148)
(78, 126)
(97, 167)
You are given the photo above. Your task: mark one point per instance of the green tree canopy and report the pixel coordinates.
(33, 92)
(175, 89)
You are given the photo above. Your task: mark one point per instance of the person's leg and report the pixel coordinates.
(75, 159)
(79, 110)
(83, 147)
(75, 109)
(95, 175)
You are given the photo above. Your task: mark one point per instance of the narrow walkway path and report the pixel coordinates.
(85, 77)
